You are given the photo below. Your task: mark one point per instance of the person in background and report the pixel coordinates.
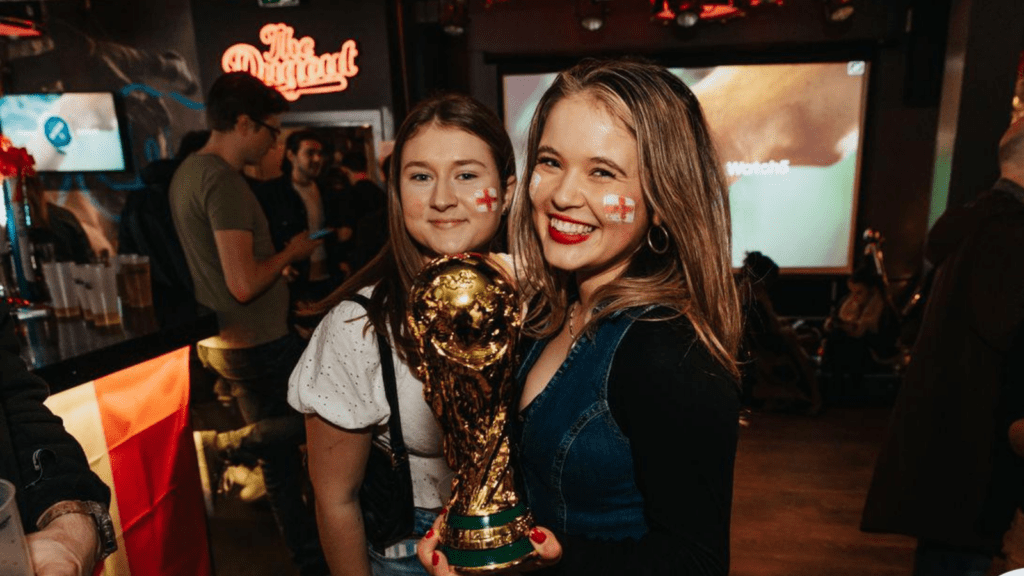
(945, 474)
(62, 503)
(371, 230)
(238, 274)
(450, 155)
(362, 196)
(293, 203)
(146, 227)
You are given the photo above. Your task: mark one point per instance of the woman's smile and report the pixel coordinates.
(568, 231)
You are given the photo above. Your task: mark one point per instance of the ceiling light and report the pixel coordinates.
(591, 14)
(592, 23)
(688, 15)
(838, 10)
(454, 17)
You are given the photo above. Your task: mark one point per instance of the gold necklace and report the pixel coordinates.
(572, 318)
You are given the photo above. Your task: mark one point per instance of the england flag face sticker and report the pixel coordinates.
(486, 200)
(619, 208)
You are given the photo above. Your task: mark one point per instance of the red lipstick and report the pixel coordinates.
(563, 237)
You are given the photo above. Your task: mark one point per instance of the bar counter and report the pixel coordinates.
(68, 352)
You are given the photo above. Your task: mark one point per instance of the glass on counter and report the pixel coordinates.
(60, 282)
(103, 295)
(14, 556)
(83, 284)
(136, 281)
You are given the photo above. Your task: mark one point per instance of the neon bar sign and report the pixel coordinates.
(291, 65)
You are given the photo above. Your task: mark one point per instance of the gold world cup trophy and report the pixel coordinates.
(465, 317)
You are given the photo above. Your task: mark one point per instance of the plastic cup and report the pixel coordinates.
(63, 294)
(137, 283)
(14, 557)
(105, 309)
(82, 278)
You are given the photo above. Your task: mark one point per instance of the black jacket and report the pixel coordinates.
(944, 472)
(45, 463)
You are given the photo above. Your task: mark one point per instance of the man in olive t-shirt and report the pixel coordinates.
(209, 196)
(235, 271)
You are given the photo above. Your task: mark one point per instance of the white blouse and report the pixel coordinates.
(339, 378)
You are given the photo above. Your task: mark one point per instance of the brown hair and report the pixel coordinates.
(236, 93)
(395, 267)
(682, 184)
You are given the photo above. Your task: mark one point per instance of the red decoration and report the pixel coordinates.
(15, 161)
(487, 200)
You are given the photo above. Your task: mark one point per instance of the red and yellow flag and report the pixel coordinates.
(134, 427)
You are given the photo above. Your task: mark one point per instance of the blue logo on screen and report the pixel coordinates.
(57, 131)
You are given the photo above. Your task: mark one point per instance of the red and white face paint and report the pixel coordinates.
(619, 208)
(486, 200)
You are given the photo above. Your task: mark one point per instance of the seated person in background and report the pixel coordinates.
(147, 228)
(64, 505)
(292, 203)
(780, 375)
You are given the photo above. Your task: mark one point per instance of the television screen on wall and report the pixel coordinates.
(70, 132)
(789, 137)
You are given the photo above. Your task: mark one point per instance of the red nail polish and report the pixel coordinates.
(435, 559)
(430, 533)
(538, 536)
(444, 511)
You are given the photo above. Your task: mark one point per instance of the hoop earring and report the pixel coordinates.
(659, 247)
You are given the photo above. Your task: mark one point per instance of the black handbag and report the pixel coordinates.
(386, 494)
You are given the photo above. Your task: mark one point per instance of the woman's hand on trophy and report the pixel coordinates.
(548, 552)
(547, 547)
(434, 562)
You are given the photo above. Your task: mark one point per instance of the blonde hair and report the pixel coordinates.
(683, 186)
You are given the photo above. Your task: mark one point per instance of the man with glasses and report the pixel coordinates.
(238, 274)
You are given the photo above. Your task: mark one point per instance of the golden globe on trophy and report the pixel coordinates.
(465, 317)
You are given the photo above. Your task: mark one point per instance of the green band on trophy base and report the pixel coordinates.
(481, 558)
(491, 521)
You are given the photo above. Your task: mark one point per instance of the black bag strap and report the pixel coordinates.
(387, 366)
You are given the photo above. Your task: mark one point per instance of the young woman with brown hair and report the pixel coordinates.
(451, 171)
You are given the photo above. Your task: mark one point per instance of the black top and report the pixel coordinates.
(31, 435)
(680, 410)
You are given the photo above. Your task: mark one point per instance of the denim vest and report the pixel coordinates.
(576, 465)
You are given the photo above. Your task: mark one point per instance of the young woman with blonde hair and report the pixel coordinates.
(627, 427)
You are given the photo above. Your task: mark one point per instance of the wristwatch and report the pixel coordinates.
(96, 511)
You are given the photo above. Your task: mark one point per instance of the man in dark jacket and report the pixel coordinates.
(62, 503)
(944, 475)
(295, 202)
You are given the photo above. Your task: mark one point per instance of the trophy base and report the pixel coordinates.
(484, 544)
